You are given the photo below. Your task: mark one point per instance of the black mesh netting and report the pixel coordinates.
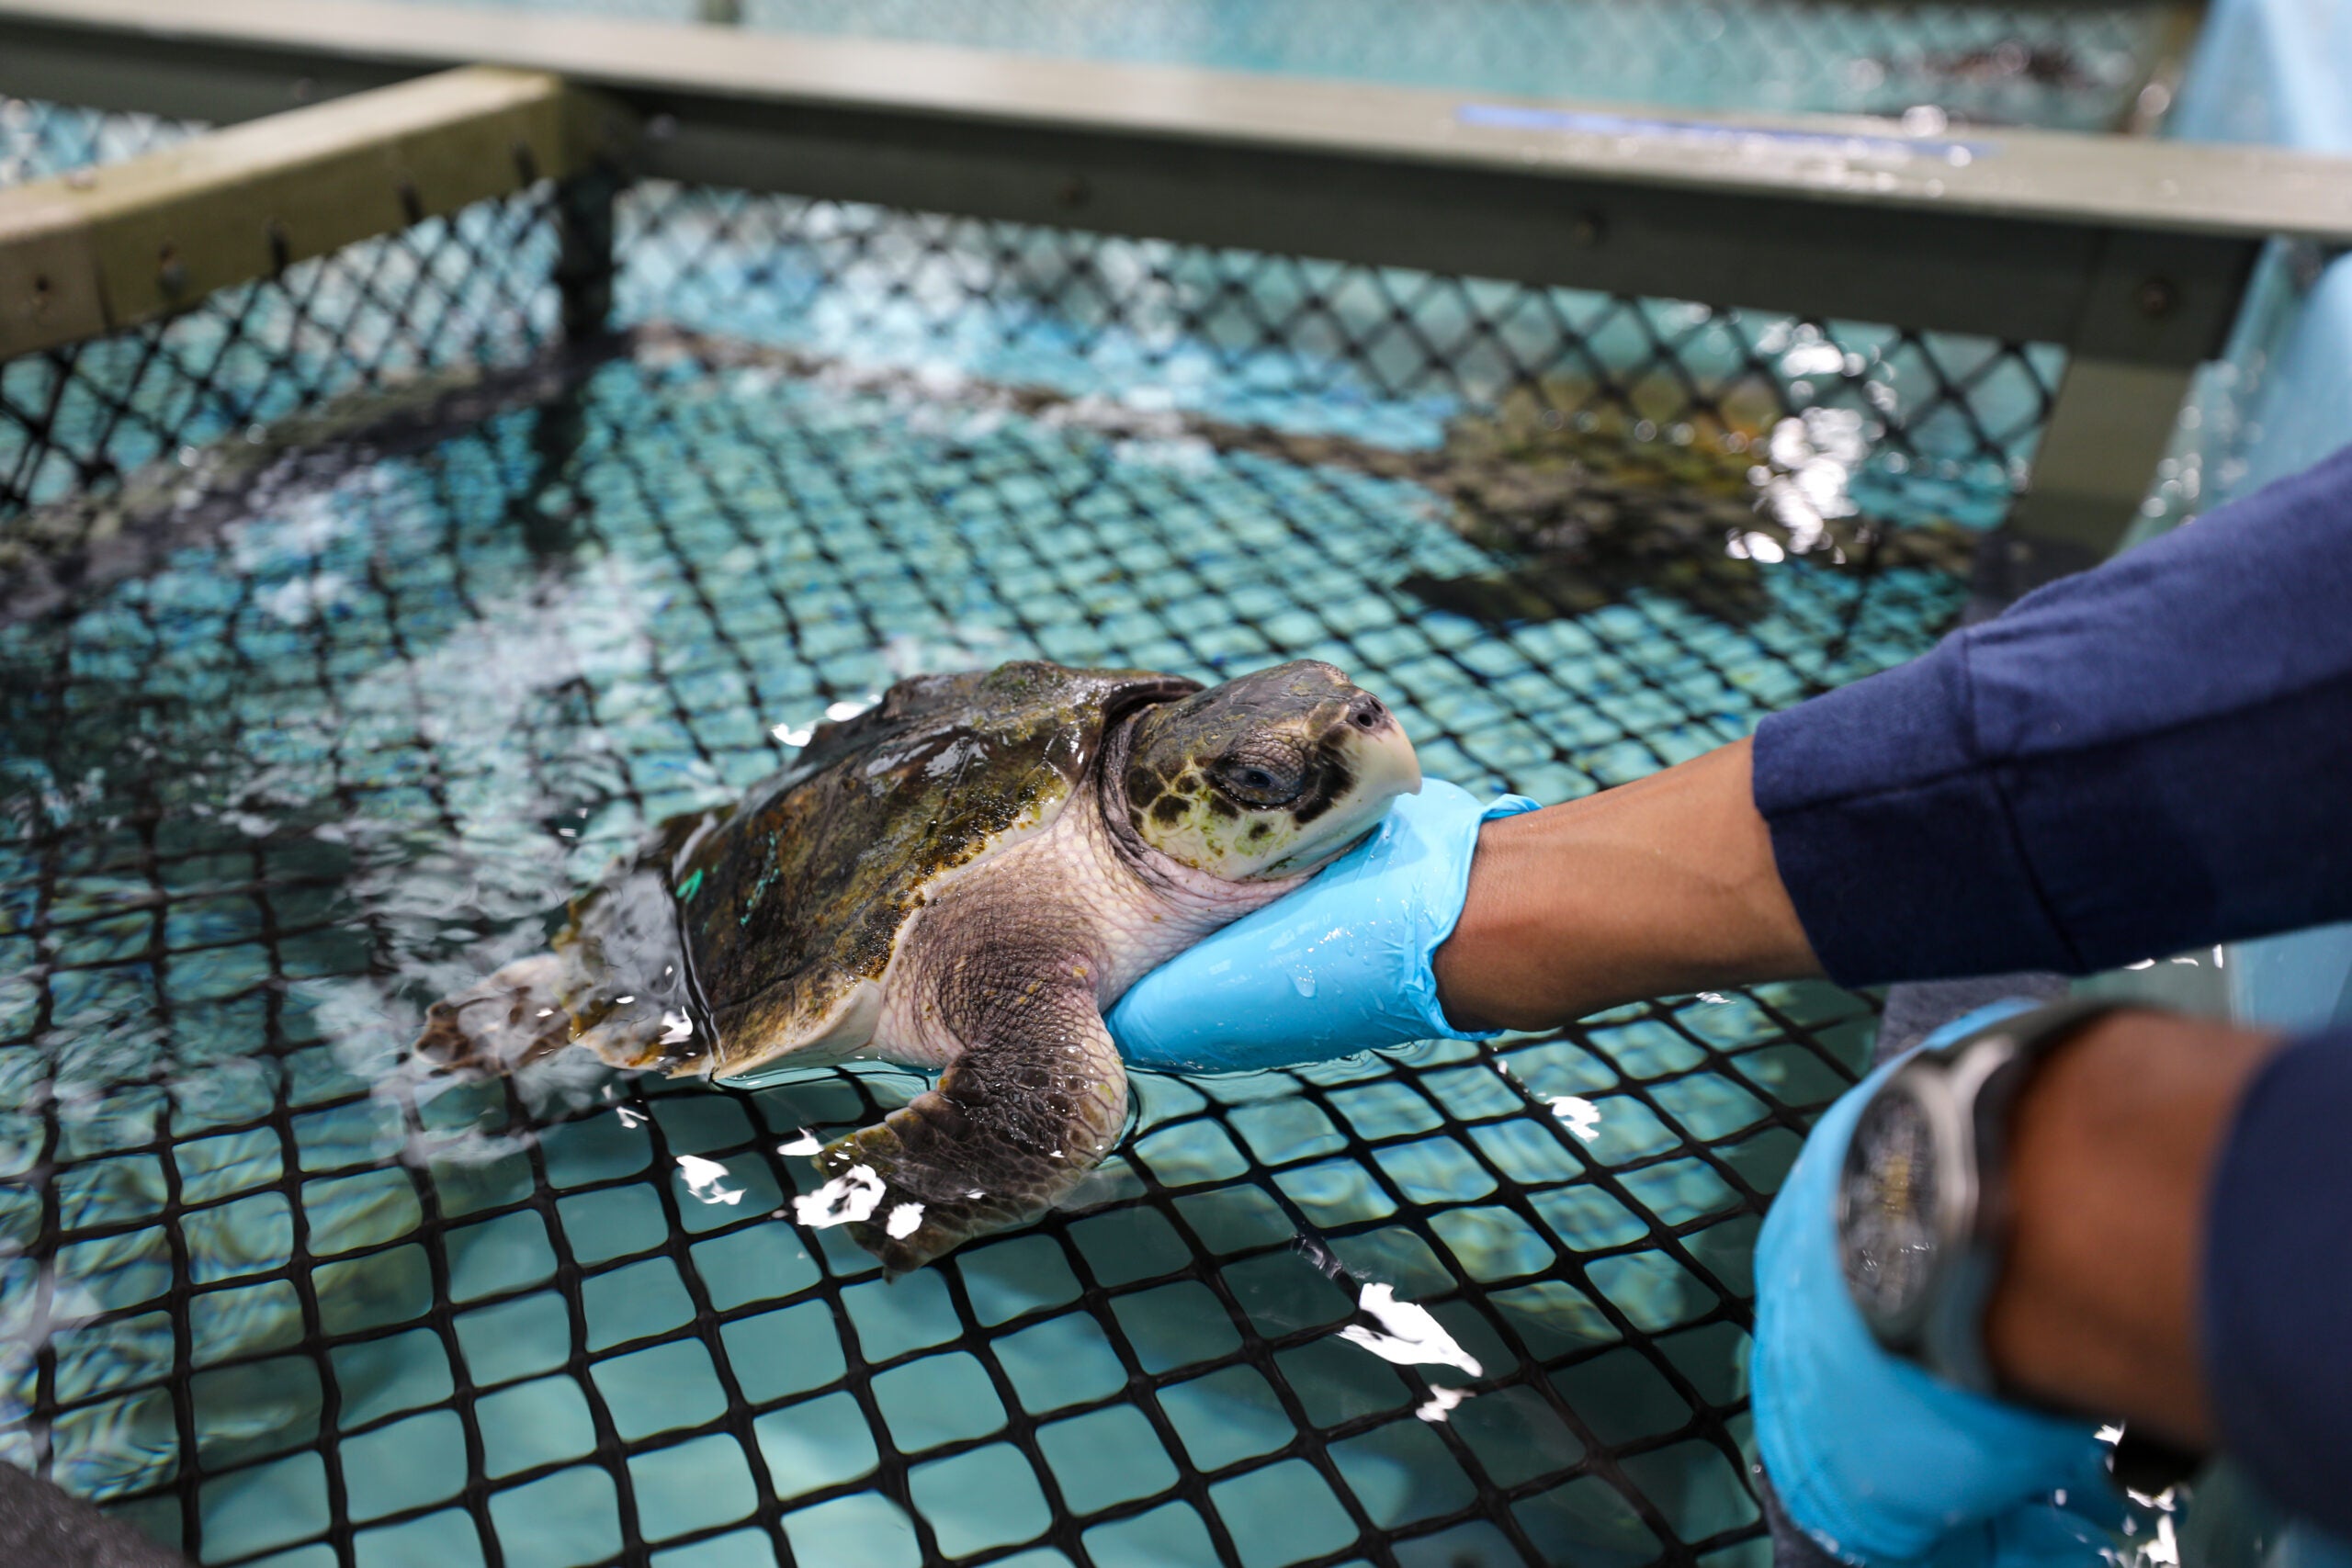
(39, 140)
(380, 688)
(465, 291)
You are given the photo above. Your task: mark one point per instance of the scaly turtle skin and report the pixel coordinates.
(963, 876)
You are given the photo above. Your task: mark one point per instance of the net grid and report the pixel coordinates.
(1183, 1318)
(1448, 1106)
(469, 291)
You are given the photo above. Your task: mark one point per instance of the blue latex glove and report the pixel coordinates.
(2041, 1535)
(1339, 965)
(1874, 1458)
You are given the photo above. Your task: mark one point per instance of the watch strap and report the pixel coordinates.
(1951, 1340)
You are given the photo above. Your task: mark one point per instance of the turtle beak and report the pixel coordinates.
(1381, 766)
(1376, 748)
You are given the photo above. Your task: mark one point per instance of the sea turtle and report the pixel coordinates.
(963, 876)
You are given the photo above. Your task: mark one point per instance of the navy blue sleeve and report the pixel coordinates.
(2278, 1281)
(2151, 756)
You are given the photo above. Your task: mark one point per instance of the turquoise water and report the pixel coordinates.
(345, 754)
(2076, 67)
(1146, 330)
(358, 715)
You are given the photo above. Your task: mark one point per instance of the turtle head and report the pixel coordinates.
(1271, 776)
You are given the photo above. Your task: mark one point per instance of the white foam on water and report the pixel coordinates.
(1582, 1116)
(705, 1179)
(1408, 1334)
(852, 1196)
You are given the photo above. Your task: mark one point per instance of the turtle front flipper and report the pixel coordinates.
(1010, 1131)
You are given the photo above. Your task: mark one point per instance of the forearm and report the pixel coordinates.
(2138, 759)
(2130, 1205)
(2113, 1149)
(1669, 885)
(1661, 885)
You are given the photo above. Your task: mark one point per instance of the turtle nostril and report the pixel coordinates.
(1367, 713)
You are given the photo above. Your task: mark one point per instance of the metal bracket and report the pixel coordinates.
(102, 249)
(2157, 306)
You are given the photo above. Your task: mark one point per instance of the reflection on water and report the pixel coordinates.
(1582, 1116)
(1582, 515)
(347, 749)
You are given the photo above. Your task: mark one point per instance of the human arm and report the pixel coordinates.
(2115, 1146)
(2181, 1196)
(1662, 886)
(1518, 917)
(2140, 759)
(2148, 757)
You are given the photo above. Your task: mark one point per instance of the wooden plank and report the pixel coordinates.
(97, 250)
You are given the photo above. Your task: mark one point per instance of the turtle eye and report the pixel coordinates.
(1259, 779)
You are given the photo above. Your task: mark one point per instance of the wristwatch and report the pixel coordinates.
(1923, 1200)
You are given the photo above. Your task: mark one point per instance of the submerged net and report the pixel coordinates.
(324, 726)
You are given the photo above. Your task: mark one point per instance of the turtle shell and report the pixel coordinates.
(786, 904)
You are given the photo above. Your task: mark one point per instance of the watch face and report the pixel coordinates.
(1886, 1210)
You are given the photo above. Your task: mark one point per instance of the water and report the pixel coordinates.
(347, 750)
(2076, 69)
(367, 712)
(366, 720)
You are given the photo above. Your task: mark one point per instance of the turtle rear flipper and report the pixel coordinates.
(1009, 1133)
(515, 1017)
(615, 985)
